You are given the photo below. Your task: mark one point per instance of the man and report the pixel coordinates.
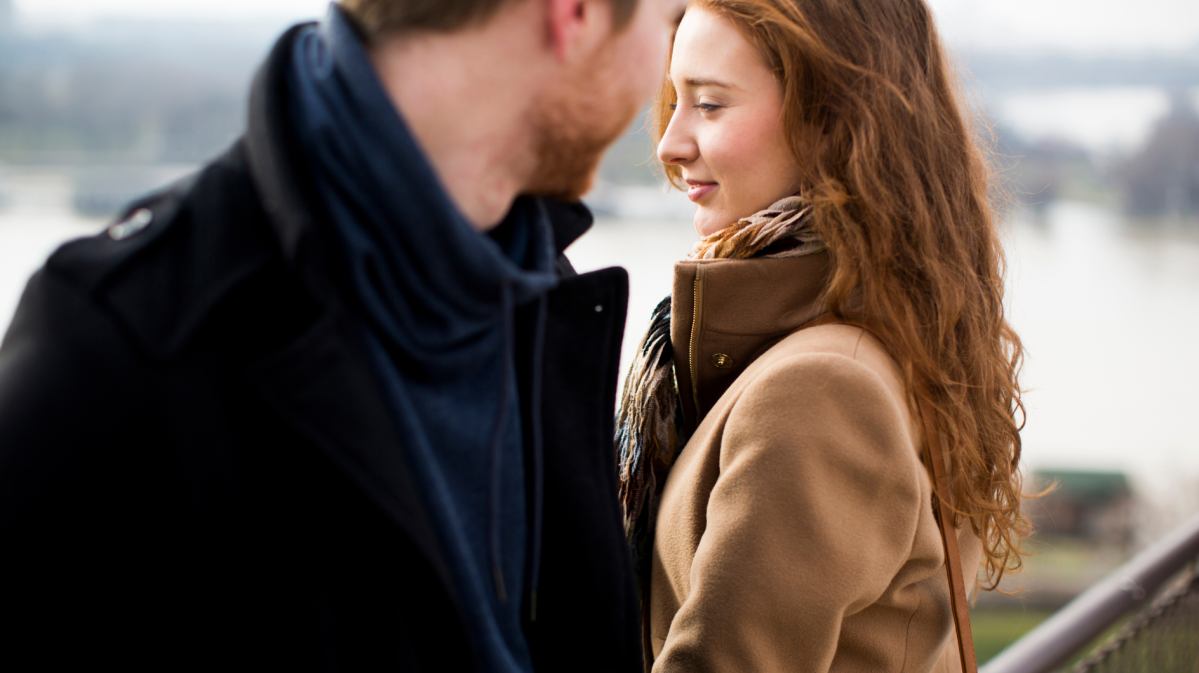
(339, 401)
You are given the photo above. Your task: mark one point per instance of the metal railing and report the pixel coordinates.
(1164, 638)
(1077, 625)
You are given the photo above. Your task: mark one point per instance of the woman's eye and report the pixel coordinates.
(673, 107)
(706, 107)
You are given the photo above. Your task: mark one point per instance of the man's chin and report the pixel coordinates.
(567, 187)
(573, 134)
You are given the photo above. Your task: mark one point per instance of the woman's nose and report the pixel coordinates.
(677, 145)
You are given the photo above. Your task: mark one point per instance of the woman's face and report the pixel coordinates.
(726, 133)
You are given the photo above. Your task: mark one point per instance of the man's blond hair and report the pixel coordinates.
(382, 18)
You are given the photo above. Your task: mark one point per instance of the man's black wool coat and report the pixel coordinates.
(197, 470)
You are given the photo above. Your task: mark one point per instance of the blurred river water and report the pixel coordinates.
(1109, 315)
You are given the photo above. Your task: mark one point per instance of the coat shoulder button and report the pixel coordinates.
(722, 361)
(137, 221)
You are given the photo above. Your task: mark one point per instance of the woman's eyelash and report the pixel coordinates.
(702, 107)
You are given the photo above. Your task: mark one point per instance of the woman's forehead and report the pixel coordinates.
(709, 51)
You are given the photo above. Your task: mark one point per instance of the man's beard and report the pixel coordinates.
(574, 128)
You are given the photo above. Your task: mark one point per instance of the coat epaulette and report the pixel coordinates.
(158, 269)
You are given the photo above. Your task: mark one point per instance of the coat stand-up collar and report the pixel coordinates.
(727, 312)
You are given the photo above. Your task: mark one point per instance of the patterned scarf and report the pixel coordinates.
(649, 426)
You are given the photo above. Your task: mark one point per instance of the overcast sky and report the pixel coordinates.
(1075, 25)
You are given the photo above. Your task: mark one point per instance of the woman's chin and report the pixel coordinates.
(708, 222)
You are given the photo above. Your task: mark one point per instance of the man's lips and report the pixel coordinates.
(697, 190)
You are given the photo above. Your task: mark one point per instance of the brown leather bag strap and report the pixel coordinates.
(949, 539)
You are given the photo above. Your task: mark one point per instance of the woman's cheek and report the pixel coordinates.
(748, 160)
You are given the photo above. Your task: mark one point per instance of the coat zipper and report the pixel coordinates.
(691, 346)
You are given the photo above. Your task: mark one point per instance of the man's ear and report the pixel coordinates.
(577, 26)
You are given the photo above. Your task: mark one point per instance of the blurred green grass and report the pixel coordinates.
(996, 628)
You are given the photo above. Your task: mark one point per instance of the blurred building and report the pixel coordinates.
(1087, 507)
(1083, 529)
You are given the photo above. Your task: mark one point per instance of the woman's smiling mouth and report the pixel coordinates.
(697, 190)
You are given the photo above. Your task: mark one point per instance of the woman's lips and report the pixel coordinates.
(698, 190)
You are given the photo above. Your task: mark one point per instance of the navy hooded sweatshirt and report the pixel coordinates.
(435, 299)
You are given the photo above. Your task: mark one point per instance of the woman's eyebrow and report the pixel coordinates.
(697, 82)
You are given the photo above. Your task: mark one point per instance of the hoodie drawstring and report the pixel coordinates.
(497, 446)
(497, 443)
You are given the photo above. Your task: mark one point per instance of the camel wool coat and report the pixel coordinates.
(795, 532)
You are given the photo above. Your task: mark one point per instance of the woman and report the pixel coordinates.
(843, 304)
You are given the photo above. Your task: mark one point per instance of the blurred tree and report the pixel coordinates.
(1040, 172)
(1162, 180)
